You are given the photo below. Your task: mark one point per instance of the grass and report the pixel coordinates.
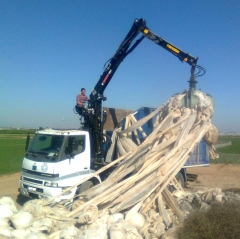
(226, 159)
(17, 131)
(232, 149)
(221, 221)
(12, 150)
(229, 154)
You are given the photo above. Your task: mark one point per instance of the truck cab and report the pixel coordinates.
(55, 160)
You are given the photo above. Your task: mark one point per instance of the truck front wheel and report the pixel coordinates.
(85, 186)
(80, 189)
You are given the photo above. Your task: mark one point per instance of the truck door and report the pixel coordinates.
(75, 155)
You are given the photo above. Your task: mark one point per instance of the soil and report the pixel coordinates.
(9, 185)
(226, 177)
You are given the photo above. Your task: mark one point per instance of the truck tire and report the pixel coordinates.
(85, 186)
(180, 179)
(81, 188)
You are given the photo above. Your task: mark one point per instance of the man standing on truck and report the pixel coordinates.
(81, 99)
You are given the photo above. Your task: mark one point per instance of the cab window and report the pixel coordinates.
(74, 145)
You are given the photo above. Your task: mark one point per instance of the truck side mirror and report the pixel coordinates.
(27, 142)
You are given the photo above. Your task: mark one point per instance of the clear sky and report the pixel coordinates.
(50, 49)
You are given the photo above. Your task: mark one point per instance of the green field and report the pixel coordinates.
(232, 149)
(229, 154)
(12, 150)
(21, 132)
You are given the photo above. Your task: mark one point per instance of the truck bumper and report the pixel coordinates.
(37, 191)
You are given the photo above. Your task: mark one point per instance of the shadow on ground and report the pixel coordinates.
(21, 200)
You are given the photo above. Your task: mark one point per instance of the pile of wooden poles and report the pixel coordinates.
(150, 166)
(143, 170)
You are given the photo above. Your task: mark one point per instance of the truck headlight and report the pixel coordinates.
(51, 184)
(54, 184)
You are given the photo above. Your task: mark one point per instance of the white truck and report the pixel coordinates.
(57, 159)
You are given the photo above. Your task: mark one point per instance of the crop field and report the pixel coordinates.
(234, 148)
(12, 150)
(16, 132)
(229, 154)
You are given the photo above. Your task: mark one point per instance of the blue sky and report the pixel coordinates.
(50, 49)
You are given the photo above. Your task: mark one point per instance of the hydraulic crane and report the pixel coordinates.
(94, 116)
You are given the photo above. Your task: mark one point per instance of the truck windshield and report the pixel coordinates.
(46, 145)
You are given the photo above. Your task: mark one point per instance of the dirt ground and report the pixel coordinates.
(226, 177)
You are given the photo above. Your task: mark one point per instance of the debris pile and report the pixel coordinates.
(35, 220)
(134, 201)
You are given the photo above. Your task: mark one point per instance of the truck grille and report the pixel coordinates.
(33, 180)
(40, 174)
